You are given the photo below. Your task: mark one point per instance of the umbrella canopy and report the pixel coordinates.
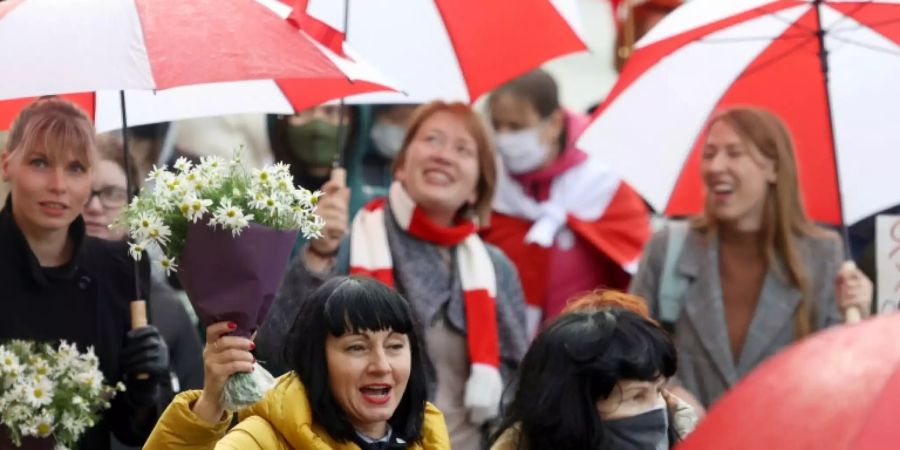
(828, 68)
(447, 49)
(837, 390)
(328, 76)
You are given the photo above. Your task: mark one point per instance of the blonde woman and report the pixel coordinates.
(60, 284)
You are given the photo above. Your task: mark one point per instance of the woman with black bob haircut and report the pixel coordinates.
(593, 380)
(358, 382)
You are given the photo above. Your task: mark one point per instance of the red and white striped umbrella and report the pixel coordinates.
(247, 57)
(829, 68)
(447, 49)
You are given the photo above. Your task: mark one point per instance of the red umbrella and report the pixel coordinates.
(269, 66)
(837, 390)
(829, 68)
(449, 49)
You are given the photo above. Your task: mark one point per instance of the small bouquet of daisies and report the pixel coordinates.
(50, 392)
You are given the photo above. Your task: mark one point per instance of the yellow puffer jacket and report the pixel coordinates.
(282, 420)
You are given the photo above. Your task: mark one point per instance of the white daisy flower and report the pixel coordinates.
(232, 217)
(168, 265)
(92, 380)
(39, 392)
(159, 233)
(182, 164)
(193, 208)
(9, 362)
(143, 224)
(42, 425)
(136, 249)
(262, 178)
(156, 174)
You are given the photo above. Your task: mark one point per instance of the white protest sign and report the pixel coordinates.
(887, 241)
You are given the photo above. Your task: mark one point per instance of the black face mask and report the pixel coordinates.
(647, 431)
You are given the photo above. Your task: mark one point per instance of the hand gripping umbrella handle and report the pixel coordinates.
(852, 314)
(139, 320)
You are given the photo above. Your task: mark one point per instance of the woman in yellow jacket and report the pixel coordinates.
(357, 382)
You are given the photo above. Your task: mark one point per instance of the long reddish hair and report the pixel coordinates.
(784, 216)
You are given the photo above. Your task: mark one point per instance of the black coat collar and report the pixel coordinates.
(13, 238)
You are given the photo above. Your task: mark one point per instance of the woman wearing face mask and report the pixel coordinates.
(757, 274)
(108, 197)
(594, 380)
(57, 283)
(357, 382)
(422, 240)
(369, 172)
(566, 221)
(308, 141)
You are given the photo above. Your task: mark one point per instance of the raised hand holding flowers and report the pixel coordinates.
(228, 234)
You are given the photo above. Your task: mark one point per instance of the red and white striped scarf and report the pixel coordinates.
(370, 255)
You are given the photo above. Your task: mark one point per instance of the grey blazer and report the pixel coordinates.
(706, 366)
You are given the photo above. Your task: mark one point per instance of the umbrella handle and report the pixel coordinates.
(852, 314)
(139, 320)
(339, 176)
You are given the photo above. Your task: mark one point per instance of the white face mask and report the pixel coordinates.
(388, 138)
(522, 151)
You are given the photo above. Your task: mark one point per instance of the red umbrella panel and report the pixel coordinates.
(260, 89)
(90, 45)
(708, 55)
(837, 390)
(448, 49)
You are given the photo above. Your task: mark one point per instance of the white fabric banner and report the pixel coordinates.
(887, 262)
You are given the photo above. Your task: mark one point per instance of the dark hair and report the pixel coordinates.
(577, 360)
(352, 305)
(540, 90)
(537, 87)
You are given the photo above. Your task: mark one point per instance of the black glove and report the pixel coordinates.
(144, 352)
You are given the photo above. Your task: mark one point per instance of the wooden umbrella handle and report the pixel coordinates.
(852, 314)
(339, 176)
(139, 320)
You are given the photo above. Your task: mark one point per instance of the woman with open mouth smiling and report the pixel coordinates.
(752, 274)
(423, 240)
(357, 382)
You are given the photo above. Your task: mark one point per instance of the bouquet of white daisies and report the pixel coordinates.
(228, 233)
(51, 392)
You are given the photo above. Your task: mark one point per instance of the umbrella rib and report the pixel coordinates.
(872, 25)
(886, 51)
(750, 39)
(750, 71)
(792, 23)
(848, 15)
